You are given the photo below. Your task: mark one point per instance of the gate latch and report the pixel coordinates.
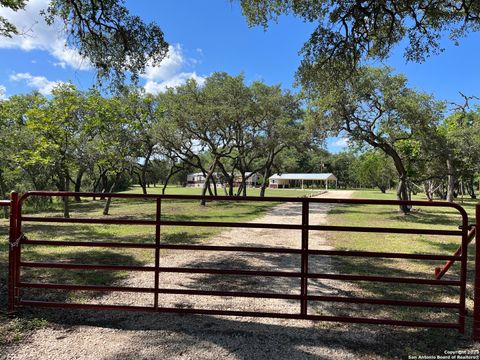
(16, 243)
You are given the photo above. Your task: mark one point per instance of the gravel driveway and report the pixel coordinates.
(111, 335)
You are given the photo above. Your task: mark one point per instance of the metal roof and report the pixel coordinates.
(325, 176)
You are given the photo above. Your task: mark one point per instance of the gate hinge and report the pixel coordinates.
(16, 243)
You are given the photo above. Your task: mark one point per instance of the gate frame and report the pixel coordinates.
(17, 239)
(476, 295)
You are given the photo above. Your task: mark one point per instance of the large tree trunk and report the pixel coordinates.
(169, 176)
(230, 186)
(104, 184)
(207, 178)
(214, 183)
(471, 188)
(78, 183)
(427, 187)
(209, 187)
(450, 181)
(240, 189)
(106, 209)
(96, 185)
(143, 172)
(66, 199)
(402, 190)
(244, 183)
(266, 174)
(227, 179)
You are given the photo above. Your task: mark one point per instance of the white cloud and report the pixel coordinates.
(35, 34)
(41, 83)
(341, 142)
(170, 72)
(154, 87)
(61, 64)
(3, 92)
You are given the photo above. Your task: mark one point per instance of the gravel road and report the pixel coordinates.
(111, 335)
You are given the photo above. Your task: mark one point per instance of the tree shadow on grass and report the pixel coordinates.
(429, 218)
(73, 276)
(183, 237)
(419, 215)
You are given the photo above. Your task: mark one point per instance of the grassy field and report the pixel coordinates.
(426, 341)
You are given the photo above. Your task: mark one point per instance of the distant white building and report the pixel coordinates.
(285, 181)
(198, 179)
(252, 179)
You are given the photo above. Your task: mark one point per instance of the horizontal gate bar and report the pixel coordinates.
(243, 313)
(244, 249)
(86, 287)
(356, 300)
(229, 293)
(88, 244)
(232, 224)
(5, 202)
(86, 266)
(373, 254)
(232, 248)
(87, 221)
(85, 306)
(230, 272)
(386, 279)
(385, 230)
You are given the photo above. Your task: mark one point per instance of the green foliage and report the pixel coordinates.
(7, 28)
(348, 33)
(229, 127)
(115, 42)
(374, 169)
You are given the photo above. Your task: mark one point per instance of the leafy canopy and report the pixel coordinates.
(349, 32)
(116, 42)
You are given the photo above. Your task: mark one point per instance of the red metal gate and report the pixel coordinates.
(18, 239)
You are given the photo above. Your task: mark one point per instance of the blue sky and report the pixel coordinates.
(212, 38)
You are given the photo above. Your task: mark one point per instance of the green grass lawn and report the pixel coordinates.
(435, 341)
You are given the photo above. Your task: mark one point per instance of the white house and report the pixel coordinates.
(284, 181)
(252, 181)
(198, 179)
(195, 179)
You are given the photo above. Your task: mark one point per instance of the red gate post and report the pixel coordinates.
(476, 297)
(12, 256)
(304, 257)
(158, 217)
